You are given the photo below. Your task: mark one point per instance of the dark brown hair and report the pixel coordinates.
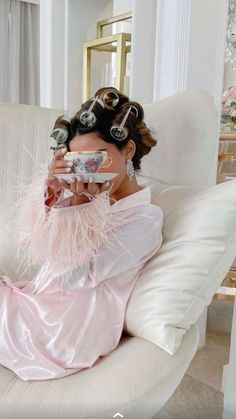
(111, 115)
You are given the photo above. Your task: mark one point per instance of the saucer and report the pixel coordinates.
(98, 177)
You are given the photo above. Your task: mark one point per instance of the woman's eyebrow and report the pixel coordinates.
(101, 149)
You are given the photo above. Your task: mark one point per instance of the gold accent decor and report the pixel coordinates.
(227, 157)
(106, 43)
(227, 290)
(227, 137)
(110, 21)
(223, 156)
(231, 157)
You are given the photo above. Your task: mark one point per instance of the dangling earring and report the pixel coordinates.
(130, 169)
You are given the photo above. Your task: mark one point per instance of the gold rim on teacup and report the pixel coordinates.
(85, 152)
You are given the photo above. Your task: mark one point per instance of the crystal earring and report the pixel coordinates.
(130, 169)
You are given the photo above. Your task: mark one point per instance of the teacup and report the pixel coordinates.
(88, 161)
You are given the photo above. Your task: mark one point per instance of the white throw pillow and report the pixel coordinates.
(199, 246)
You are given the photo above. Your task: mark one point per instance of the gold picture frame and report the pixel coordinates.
(106, 43)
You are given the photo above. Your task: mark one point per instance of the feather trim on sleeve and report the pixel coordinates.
(66, 238)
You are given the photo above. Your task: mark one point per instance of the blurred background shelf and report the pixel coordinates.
(227, 290)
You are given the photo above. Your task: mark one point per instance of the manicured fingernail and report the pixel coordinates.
(107, 184)
(63, 150)
(90, 179)
(68, 169)
(70, 163)
(79, 178)
(73, 179)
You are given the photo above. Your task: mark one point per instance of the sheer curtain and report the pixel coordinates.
(19, 52)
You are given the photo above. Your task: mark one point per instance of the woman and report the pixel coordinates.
(90, 246)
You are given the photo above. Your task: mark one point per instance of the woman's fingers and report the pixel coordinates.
(64, 184)
(62, 163)
(77, 185)
(73, 185)
(59, 154)
(62, 169)
(58, 165)
(52, 182)
(92, 187)
(104, 186)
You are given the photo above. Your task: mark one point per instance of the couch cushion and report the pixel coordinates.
(135, 379)
(25, 145)
(186, 127)
(199, 246)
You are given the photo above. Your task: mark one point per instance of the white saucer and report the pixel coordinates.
(98, 177)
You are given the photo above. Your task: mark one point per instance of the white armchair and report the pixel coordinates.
(138, 377)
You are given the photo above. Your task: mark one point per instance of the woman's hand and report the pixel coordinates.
(79, 189)
(76, 186)
(57, 165)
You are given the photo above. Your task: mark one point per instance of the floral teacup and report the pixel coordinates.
(88, 161)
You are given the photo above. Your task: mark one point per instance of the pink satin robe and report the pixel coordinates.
(53, 332)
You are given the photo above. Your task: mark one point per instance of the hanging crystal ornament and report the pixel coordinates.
(230, 48)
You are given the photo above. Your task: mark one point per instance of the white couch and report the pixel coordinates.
(138, 377)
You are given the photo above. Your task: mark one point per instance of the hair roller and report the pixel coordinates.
(88, 117)
(131, 113)
(136, 110)
(60, 133)
(112, 98)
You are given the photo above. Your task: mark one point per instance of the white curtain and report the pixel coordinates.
(19, 52)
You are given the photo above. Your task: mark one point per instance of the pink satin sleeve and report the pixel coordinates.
(133, 245)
